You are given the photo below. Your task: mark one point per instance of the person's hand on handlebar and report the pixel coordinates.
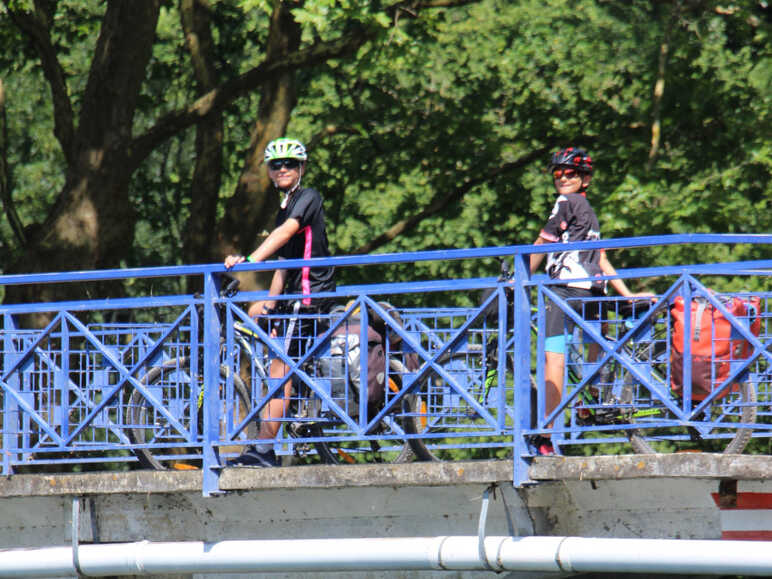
(232, 260)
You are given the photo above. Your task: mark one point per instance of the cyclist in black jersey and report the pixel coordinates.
(300, 233)
(572, 219)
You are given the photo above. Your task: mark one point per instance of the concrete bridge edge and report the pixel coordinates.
(666, 496)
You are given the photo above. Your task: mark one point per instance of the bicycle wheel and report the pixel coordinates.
(386, 443)
(736, 407)
(365, 451)
(393, 449)
(171, 384)
(445, 421)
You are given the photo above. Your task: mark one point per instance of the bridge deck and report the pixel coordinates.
(426, 474)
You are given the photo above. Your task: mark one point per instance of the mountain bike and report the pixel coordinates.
(463, 409)
(316, 426)
(657, 418)
(632, 402)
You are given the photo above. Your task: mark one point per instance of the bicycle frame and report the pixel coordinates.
(651, 374)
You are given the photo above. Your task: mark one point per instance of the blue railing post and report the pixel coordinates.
(364, 322)
(211, 433)
(10, 416)
(686, 378)
(522, 362)
(62, 382)
(501, 359)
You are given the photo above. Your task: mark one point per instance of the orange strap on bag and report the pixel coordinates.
(714, 342)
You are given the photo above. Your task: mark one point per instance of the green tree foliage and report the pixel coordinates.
(445, 128)
(121, 118)
(429, 127)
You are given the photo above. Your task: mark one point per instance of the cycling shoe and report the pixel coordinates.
(251, 457)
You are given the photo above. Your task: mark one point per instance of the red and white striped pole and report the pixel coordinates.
(745, 515)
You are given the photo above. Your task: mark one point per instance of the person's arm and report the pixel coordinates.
(277, 239)
(618, 284)
(277, 282)
(273, 243)
(537, 258)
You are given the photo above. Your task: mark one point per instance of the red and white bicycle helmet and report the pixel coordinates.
(572, 158)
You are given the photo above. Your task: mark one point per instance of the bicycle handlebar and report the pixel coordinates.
(229, 285)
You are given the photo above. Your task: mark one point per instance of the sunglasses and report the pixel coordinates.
(567, 173)
(276, 164)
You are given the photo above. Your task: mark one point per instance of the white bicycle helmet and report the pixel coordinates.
(285, 149)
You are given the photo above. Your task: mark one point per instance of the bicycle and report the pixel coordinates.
(464, 398)
(312, 427)
(660, 419)
(633, 399)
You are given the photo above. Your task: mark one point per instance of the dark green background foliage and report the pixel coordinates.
(443, 119)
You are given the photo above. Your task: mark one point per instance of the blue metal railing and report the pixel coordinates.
(181, 380)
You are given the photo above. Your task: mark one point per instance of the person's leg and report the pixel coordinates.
(557, 325)
(262, 454)
(554, 366)
(554, 370)
(277, 407)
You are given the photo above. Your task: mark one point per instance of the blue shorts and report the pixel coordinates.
(558, 325)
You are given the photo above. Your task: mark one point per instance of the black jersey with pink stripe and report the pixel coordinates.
(305, 206)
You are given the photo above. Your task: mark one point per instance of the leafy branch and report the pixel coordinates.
(220, 97)
(36, 25)
(440, 202)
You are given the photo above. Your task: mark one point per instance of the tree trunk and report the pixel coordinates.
(207, 175)
(252, 207)
(91, 225)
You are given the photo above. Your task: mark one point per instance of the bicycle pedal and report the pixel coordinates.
(607, 415)
(300, 429)
(598, 415)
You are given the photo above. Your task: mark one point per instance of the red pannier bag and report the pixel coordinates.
(715, 342)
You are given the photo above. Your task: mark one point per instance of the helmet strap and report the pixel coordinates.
(584, 187)
(287, 193)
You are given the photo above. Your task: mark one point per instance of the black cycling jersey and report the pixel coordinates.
(305, 206)
(573, 219)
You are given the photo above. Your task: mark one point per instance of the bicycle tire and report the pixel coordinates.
(427, 440)
(354, 452)
(659, 441)
(371, 451)
(147, 426)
